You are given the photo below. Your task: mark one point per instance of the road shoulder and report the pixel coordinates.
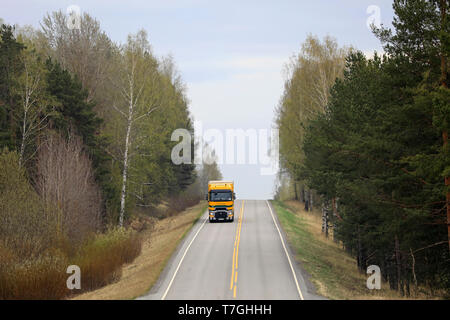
(159, 247)
(304, 278)
(330, 268)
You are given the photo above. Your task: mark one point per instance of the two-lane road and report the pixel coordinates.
(247, 259)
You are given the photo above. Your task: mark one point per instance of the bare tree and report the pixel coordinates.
(66, 183)
(84, 51)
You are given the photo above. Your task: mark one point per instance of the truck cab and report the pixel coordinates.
(221, 198)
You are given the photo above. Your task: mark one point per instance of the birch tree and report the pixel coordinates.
(34, 101)
(135, 79)
(309, 78)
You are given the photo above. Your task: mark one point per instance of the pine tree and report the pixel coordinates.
(10, 67)
(75, 112)
(422, 33)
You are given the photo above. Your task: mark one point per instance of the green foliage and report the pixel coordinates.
(145, 111)
(22, 228)
(379, 149)
(65, 101)
(311, 75)
(74, 112)
(10, 67)
(73, 96)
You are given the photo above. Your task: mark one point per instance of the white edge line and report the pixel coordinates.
(181, 261)
(287, 254)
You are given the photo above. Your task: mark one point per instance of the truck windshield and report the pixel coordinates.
(220, 196)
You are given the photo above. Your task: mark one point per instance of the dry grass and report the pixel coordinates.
(44, 277)
(158, 245)
(101, 259)
(333, 271)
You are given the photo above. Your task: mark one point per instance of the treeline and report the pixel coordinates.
(122, 100)
(310, 77)
(85, 128)
(378, 153)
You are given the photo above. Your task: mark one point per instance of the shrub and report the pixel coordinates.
(100, 259)
(23, 228)
(43, 277)
(66, 183)
(40, 238)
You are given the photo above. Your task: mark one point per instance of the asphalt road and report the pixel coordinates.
(246, 259)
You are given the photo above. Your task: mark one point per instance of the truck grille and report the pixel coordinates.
(220, 214)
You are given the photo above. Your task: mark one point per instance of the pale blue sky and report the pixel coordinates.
(229, 53)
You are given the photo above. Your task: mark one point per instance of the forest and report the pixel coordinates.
(365, 139)
(85, 127)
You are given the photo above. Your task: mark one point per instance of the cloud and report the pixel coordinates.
(256, 63)
(243, 99)
(371, 54)
(236, 64)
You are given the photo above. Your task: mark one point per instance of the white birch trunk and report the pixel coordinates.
(26, 106)
(133, 80)
(22, 143)
(31, 90)
(125, 157)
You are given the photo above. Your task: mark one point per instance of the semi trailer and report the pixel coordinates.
(220, 199)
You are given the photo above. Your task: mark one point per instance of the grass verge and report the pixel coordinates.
(158, 245)
(332, 270)
(44, 277)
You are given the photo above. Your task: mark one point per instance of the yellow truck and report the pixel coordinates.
(221, 198)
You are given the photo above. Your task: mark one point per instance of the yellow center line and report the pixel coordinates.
(239, 236)
(234, 252)
(237, 239)
(232, 271)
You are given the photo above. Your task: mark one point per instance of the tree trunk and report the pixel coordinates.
(447, 184)
(443, 9)
(407, 288)
(295, 191)
(24, 131)
(307, 201)
(125, 162)
(22, 148)
(325, 213)
(384, 272)
(334, 210)
(392, 275)
(398, 264)
(359, 253)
